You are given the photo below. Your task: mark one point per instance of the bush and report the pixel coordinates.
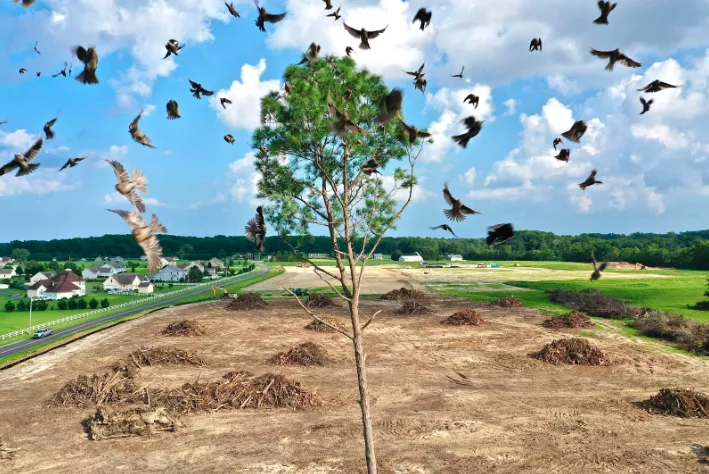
(105, 303)
(9, 307)
(62, 304)
(93, 304)
(73, 303)
(82, 303)
(21, 305)
(396, 254)
(42, 305)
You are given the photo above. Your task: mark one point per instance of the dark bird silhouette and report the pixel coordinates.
(39, 73)
(646, 105)
(35, 47)
(473, 126)
(472, 99)
(223, 101)
(563, 155)
(606, 8)
(25, 3)
(420, 84)
(90, 59)
(70, 66)
(417, 73)
(264, 16)
(460, 74)
(458, 210)
(424, 16)
(390, 106)
(255, 229)
(597, 269)
(172, 47)
(72, 162)
(500, 233)
(144, 235)
(656, 86)
(137, 135)
(23, 161)
(364, 35)
(576, 131)
(311, 54)
(197, 89)
(232, 10)
(23, 70)
(62, 72)
(412, 133)
(370, 166)
(535, 44)
(328, 4)
(173, 110)
(336, 14)
(349, 50)
(341, 123)
(445, 227)
(590, 181)
(557, 141)
(614, 56)
(128, 185)
(3, 122)
(229, 138)
(48, 128)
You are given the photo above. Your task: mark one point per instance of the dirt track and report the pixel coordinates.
(517, 414)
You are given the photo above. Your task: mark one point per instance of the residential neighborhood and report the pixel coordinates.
(124, 282)
(169, 273)
(62, 285)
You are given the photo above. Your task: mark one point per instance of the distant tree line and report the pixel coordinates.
(688, 250)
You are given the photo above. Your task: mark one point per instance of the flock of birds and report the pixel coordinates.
(340, 122)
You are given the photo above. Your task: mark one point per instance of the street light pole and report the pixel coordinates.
(31, 301)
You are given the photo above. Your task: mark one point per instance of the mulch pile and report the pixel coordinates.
(572, 351)
(186, 327)
(116, 386)
(404, 294)
(137, 421)
(319, 301)
(677, 402)
(507, 302)
(464, 317)
(164, 356)
(412, 307)
(317, 326)
(6, 453)
(247, 301)
(305, 354)
(574, 319)
(594, 303)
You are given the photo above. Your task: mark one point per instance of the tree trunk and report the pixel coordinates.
(362, 384)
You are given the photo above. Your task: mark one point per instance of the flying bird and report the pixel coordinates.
(328, 4)
(229, 138)
(39, 73)
(25, 3)
(197, 89)
(656, 86)
(224, 100)
(311, 54)
(614, 56)
(137, 134)
(459, 210)
(557, 141)
(23, 161)
(606, 8)
(563, 155)
(232, 10)
(420, 84)
(172, 47)
(255, 229)
(264, 16)
(336, 14)
(23, 70)
(370, 166)
(500, 232)
(144, 235)
(127, 185)
(576, 131)
(48, 128)
(444, 227)
(473, 126)
(390, 106)
(412, 133)
(90, 59)
(597, 269)
(472, 99)
(349, 50)
(424, 16)
(646, 105)
(72, 162)
(62, 72)
(590, 181)
(535, 44)
(460, 74)
(3, 122)
(417, 73)
(173, 110)
(364, 35)
(35, 47)
(341, 123)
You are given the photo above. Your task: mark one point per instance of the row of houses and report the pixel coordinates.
(418, 258)
(66, 284)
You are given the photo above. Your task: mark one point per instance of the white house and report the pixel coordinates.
(169, 273)
(46, 275)
(197, 264)
(146, 288)
(118, 267)
(216, 263)
(317, 255)
(455, 258)
(62, 285)
(124, 281)
(7, 272)
(378, 256)
(411, 258)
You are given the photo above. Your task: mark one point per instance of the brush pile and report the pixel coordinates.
(507, 302)
(412, 307)
(186, 327)
(690, 336)
(678, 402)
(464, 317)
(164, 356)
(594, 303)
(247, 301)
(138, 421)
(6, 453)
(574, 319)
(115, 386)
(404, 294)
(572, 351)
(306, 354)
(319, 301)
(317, 326)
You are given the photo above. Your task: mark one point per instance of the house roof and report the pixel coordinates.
(60, 286)
(66, 275)
(126, 278)
(6, 271)
(45, 283)
(48, 274)
(145, 284)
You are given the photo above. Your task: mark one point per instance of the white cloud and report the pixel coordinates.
(419, 193)
(148, 109)
(661, 134)
(117, 198)
(511, 105)
(221, 197)
(564, 85)
(41, 182)
(19, 140)
(244, 179)
(469, 176)
(526, 192)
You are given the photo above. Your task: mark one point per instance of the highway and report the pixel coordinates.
(25, 344)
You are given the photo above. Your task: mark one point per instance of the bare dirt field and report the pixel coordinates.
(516, 414)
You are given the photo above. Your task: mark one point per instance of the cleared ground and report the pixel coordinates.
(516, 415)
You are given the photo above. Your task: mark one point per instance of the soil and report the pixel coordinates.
(509, 413)
(413, 307)
(507, 302)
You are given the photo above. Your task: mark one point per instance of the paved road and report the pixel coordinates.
(25, 344)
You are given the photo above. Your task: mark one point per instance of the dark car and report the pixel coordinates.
(42, 333)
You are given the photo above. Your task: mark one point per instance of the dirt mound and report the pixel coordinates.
(593, 303)
(237, 390)
(317, 326)
(404, 294)
(6, 452)
(164, 356)
(464, 317)
(116, 386)
(319, 301)
(247, 301)
(508, 302)
(138, 421)
(412, 307)
(186, 327)
(574, 319)
(305, 354)
(572, 351)
(677, 402)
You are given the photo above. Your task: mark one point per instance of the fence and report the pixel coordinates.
(31, 329)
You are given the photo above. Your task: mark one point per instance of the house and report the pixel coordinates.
(42, 276)
(3, 286)
(7, 272)
(100, 272)
(317, 255)
(216, 263)
(125, 282)
(169, 273)
(146, 288)
(455, 258)
(378, 256)
(187, 267)
(145, 257)
(411, 258)
(62, 285)
(117, 259)
(210, 272)
(118, 267)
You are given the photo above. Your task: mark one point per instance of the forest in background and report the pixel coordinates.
(688, 250)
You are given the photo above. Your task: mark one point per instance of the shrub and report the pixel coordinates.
(42, 305)
(93, 304)
(62, 304)
(21, 305)
(9, 307)
(82, 303)
(73, 303)
(105, 303)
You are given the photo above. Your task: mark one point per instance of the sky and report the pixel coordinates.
(653, 166)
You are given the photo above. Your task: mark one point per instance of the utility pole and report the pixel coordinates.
(30, 328)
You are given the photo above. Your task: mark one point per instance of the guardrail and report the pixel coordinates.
(32, 329)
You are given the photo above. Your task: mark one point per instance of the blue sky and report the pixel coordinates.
(653, 167)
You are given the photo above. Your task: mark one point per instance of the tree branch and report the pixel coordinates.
(318, 319)
(364, 326)
(317, 272)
